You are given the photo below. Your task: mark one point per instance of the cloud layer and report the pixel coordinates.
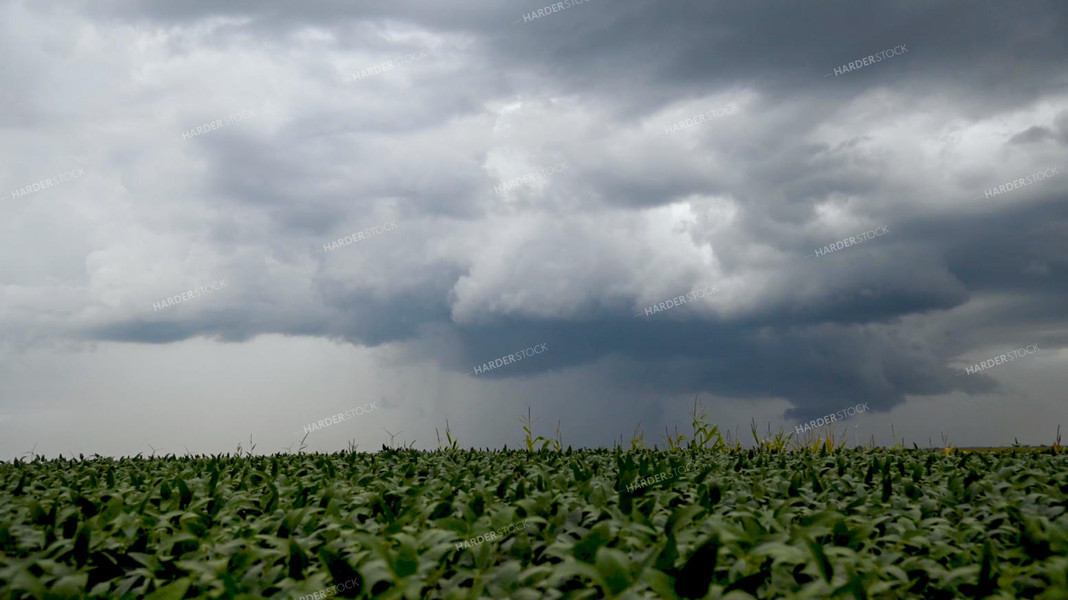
(664, 191)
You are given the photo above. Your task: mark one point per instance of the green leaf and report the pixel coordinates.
(586, 549)
(613, 567)
(665, 560)
(172, 591)
(659, 583)
(824, 565)
(71, 586)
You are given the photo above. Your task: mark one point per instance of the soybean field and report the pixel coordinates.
(468, 524)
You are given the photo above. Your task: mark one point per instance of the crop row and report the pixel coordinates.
(398, 524)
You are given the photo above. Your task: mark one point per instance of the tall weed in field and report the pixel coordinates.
(528, 425)
(705, 433)
(776, 443)
(637, 441)
(448, 435)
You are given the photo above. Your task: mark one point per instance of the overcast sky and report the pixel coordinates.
(546, 188)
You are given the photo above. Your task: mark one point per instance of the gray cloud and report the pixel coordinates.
(640, 215)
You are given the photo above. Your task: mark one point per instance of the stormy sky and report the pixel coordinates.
(535, 178)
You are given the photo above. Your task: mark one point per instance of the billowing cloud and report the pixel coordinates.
(549, 178)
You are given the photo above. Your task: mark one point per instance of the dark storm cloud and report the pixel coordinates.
(655, 52)
(911, 142)
(817, 367)
(1058, 133)
(358, 316)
